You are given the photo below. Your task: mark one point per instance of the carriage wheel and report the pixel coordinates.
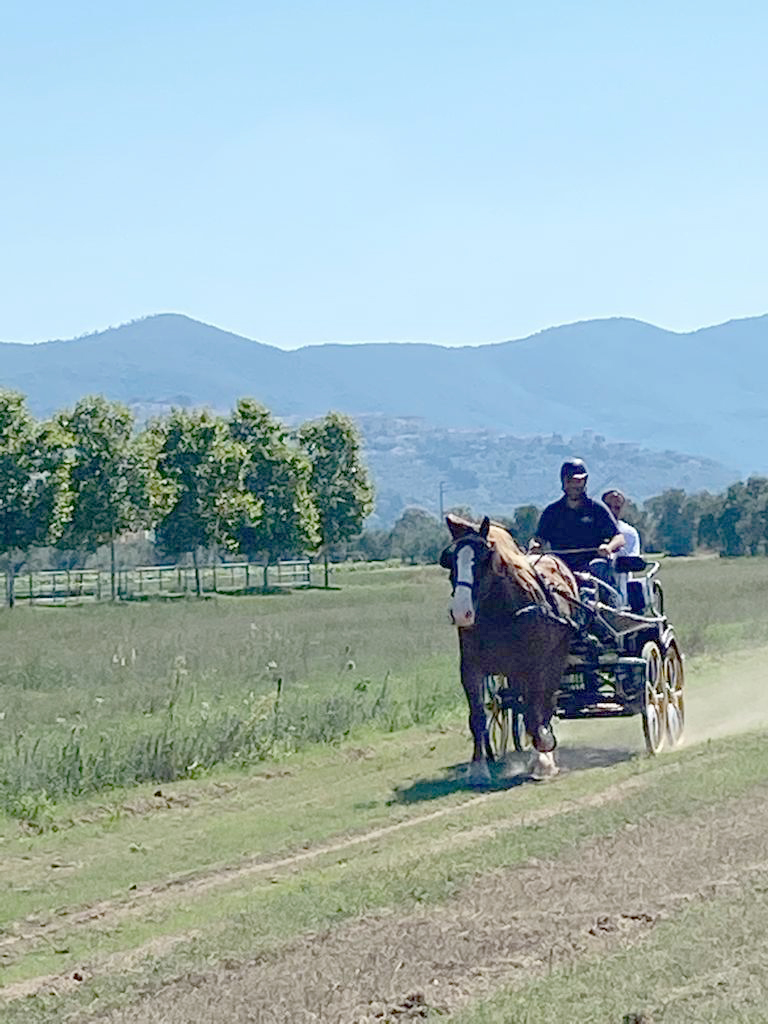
(505, 724)
(520, 737)
(655, 709)
(498, 718)
(673, 685)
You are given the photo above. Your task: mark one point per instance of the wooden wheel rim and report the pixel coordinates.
(673, 685)
(655, 710)
(498, 718)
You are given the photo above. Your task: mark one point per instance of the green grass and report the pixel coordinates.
(97, 697)
(717, 604)
(708, 965)
(368, 732)
(246, 916)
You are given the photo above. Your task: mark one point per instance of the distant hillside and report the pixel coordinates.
(632, 383)
(417, 464)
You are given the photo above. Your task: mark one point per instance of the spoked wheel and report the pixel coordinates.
(673, 684)
(520, 738)
(655, 709)
(498, 718)
(506, 724)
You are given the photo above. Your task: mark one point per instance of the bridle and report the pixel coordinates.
(448, 559)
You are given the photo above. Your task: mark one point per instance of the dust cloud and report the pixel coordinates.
(726, 695)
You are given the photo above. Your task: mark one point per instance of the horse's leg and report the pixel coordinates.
(538, 724)
(472, 681)
(544, 681)
(538, 709)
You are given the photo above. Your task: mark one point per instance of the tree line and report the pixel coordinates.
(248, 485)
(244, 483)
(731, 524)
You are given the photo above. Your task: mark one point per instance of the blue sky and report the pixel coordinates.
(305, 172)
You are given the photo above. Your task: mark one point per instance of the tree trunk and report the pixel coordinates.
(326, 570)
(198, 588)
(112, 572)
(265, 584)
(9, 580)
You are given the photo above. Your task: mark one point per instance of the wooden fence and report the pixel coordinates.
(61, 585)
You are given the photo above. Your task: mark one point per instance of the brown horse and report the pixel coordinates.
(514, 618)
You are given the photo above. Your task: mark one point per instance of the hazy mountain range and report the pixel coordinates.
(659, 408)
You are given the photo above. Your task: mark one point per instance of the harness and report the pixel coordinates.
(544, 612)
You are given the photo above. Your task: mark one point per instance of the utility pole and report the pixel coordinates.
(442, 489)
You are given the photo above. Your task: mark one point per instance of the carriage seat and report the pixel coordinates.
(639, 591)
(637, 595)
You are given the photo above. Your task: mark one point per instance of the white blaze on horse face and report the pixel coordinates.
(462, 609)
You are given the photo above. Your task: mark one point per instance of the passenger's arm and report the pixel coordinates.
(611, 546)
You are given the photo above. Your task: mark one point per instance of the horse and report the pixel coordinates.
(514, 617)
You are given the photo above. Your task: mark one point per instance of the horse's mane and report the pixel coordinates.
(549, 575)
(511, 561)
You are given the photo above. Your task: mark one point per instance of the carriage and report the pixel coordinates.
(623, 661)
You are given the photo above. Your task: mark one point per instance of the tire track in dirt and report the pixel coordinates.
(110, 912)
(506, 927)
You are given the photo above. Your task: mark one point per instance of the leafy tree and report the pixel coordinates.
(524, 524)
(418, 536)
(673, 521)
(705, 509)
(109, 477)
(753, 524)
(34, 495)
(731, 508)
(742, 517)
(277, 474)
(370, 546)
(339, 481)
(202, 489)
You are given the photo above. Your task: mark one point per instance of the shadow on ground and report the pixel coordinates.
(507, 776)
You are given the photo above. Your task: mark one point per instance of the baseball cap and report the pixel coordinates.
(573, 468)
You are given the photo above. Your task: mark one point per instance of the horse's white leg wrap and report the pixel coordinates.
(542, 766)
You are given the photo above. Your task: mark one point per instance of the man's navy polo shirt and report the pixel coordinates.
(588, 526)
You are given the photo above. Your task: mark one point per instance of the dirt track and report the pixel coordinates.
(507, 927)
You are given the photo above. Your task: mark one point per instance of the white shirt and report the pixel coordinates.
(631, 539)
(631, 547)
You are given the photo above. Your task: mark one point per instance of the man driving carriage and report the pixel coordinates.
(583, 532)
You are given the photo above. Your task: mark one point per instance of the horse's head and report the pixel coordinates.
(467, 558)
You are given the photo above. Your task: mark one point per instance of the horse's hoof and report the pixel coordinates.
(545, 740)
(542, 767)
(478, 774)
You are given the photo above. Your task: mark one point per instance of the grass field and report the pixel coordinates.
(94, 698)
(179, 845)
